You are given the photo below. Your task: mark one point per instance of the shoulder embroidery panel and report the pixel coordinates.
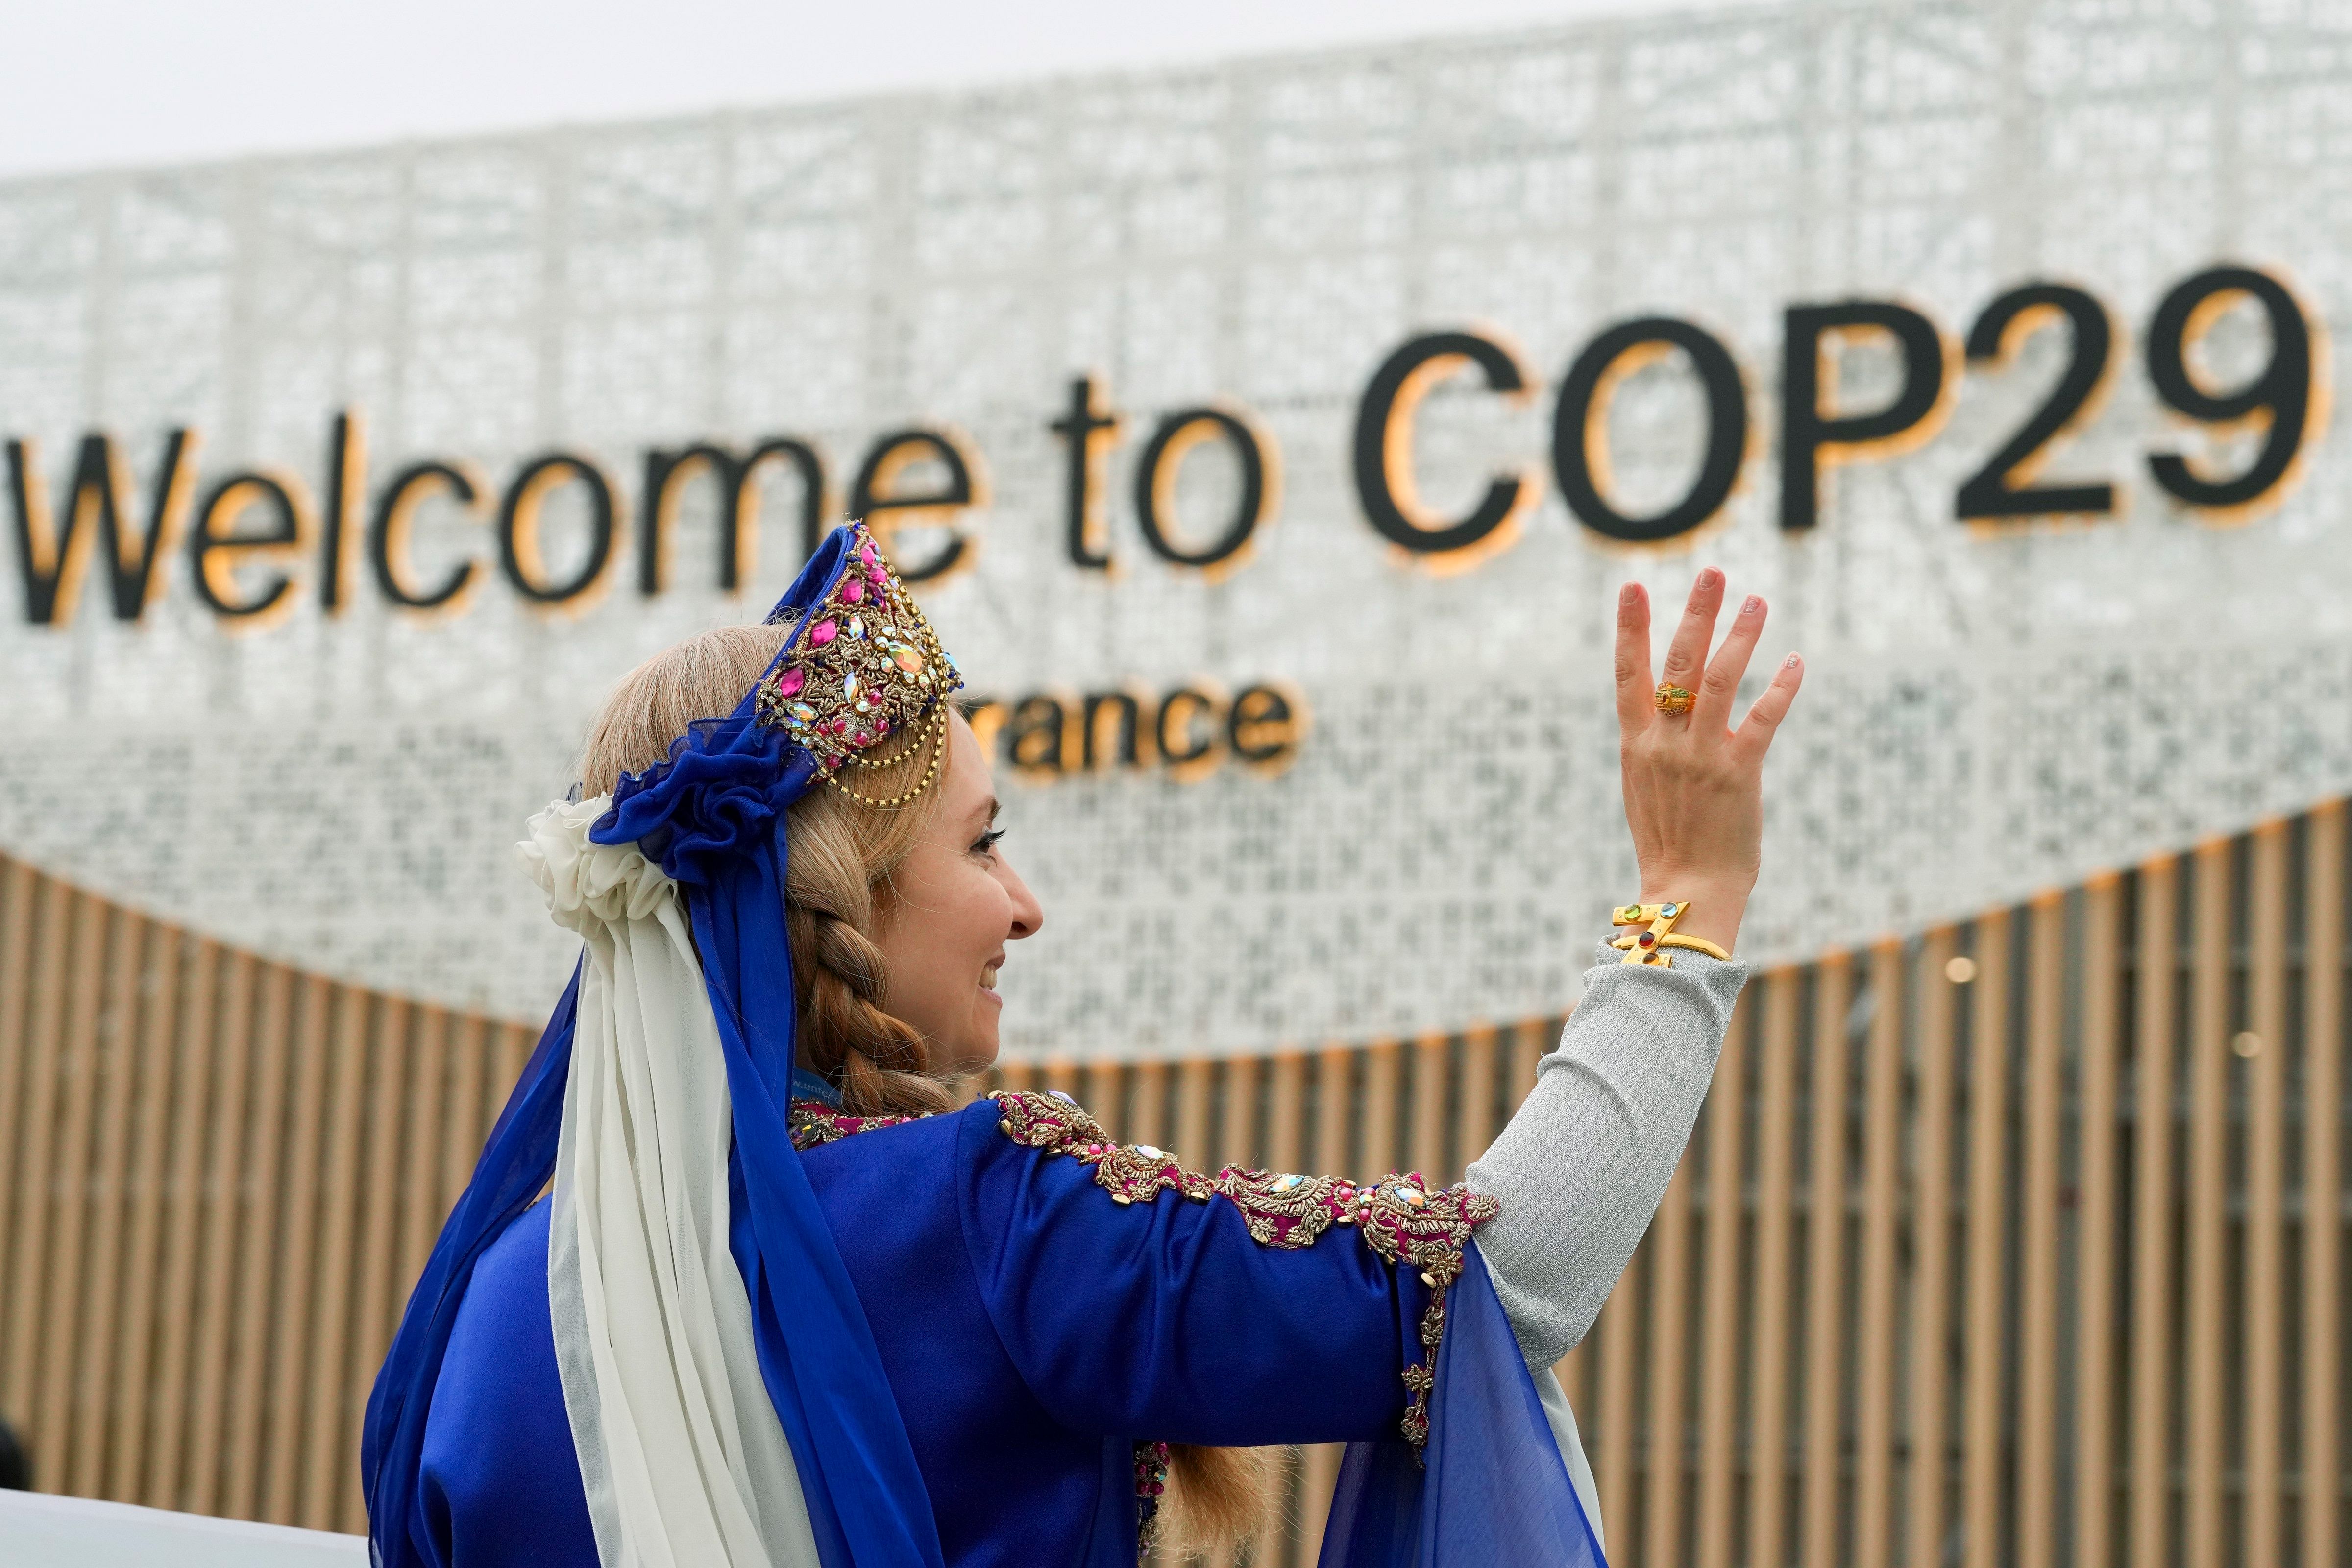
(1400, 1217)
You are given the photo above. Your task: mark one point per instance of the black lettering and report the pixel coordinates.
(1580, 439)
(390, 536)
(1812, 439)
(1190, 731)
(2000, 488)
(1124, 714)
(55, 561)
(876, 498)
(218, 550)
(346, 488)
(1155, 484)
(1383, 451)
(1089, 432)
(519, 530)
(2280, 401)
(738, 506)
(1265, 726)
(1033, 735)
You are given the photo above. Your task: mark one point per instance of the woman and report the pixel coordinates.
(783, 1305)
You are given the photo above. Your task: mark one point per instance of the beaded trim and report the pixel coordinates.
(1399, 1217)
(1151, 1480)
(864, 665)
(813, 1123)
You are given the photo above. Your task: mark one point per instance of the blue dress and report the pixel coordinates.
(1049, 1308)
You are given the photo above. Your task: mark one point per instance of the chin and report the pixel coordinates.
(984, 1052)
(982, 1055)
(974, 1050)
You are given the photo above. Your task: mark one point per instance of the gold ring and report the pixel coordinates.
(1674, 700)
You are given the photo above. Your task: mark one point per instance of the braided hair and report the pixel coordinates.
(841, 852)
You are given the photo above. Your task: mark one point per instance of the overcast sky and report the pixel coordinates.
(92, 83)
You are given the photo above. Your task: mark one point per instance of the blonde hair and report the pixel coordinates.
(841, 854)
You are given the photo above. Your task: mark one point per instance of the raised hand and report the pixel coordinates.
(1693, 786)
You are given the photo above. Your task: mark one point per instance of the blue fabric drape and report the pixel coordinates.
(1495, 1488)
(517, 1161)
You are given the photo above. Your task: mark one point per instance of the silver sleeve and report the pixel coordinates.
(1586, 1159)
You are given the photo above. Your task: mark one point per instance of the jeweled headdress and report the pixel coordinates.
(863, 664)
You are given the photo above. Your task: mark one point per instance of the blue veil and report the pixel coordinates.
(1490, 1488)
(713, 816)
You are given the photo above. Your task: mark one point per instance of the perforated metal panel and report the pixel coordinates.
(1990, 711)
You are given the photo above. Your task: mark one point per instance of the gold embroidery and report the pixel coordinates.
(813, 1123)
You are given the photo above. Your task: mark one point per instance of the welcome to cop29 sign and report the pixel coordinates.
(255, 533)
(1298, 415)
(257, 538)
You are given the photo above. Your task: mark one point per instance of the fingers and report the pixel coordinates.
(1633, 688)
(1687, 652)
(1754, 737)
(1721, 682)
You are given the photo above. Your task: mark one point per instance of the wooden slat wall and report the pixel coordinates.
(2019, 1241)
(217, 1178)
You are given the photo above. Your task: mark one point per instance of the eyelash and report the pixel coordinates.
(986, 845)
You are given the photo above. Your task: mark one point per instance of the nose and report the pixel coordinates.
(1027, 914)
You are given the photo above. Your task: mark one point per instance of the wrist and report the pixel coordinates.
(1712, 910)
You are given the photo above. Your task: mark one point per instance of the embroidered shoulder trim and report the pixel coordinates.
(814, 1123)
(1400, 1217)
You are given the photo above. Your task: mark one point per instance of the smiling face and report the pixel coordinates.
(952, 907)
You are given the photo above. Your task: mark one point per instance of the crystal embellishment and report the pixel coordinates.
(858, 665)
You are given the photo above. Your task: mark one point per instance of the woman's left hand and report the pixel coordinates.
(1693, 786)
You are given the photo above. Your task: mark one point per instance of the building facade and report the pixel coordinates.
(1414, 354)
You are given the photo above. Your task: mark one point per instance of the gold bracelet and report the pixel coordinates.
(1645, 947)
(1677, 939)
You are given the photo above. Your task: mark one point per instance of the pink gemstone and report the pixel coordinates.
(854, 591)
(861, 738)
(788, 684)
(833, 762)
(867, 553)
(879, 577)
(821, 633)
